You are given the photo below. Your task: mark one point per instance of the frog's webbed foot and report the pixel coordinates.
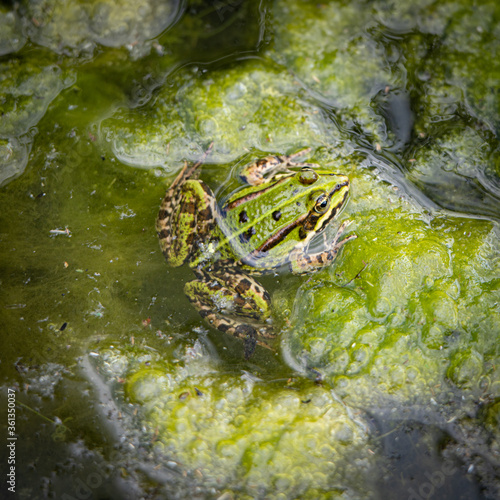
(302, 261)
(234, 303)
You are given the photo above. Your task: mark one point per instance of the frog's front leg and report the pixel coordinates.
(302, 262)
(234, 303)
(254, 173)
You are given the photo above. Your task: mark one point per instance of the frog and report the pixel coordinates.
(275, 221)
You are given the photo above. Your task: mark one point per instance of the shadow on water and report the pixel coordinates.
(429, 455)
(418, 464)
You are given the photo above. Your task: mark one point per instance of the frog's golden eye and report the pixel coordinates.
(307, 176)
(322, 204)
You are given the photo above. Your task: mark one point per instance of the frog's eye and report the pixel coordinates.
(322, 204)
(307, 176)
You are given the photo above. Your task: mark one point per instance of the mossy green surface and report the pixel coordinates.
(287, 440)
(76, 28)
(430, 279)
(403, 327)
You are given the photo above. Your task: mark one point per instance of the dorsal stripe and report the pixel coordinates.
(252, 196)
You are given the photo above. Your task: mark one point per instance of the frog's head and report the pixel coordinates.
(302, 204)
(325, 196)
(286, 211)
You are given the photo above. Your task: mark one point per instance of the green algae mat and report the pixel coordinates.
(385, 377)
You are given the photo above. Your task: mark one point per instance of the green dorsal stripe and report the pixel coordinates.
(253, 195)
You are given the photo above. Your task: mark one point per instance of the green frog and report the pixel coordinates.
(277, 221)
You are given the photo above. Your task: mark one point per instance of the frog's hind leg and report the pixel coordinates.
(185, 215)
(235, 304)
(186, 212)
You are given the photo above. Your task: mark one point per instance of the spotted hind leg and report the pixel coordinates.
(235, 304)
(186, 216)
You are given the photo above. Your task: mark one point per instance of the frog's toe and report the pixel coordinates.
(249, 336)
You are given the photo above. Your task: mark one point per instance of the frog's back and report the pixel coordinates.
(262, 232)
